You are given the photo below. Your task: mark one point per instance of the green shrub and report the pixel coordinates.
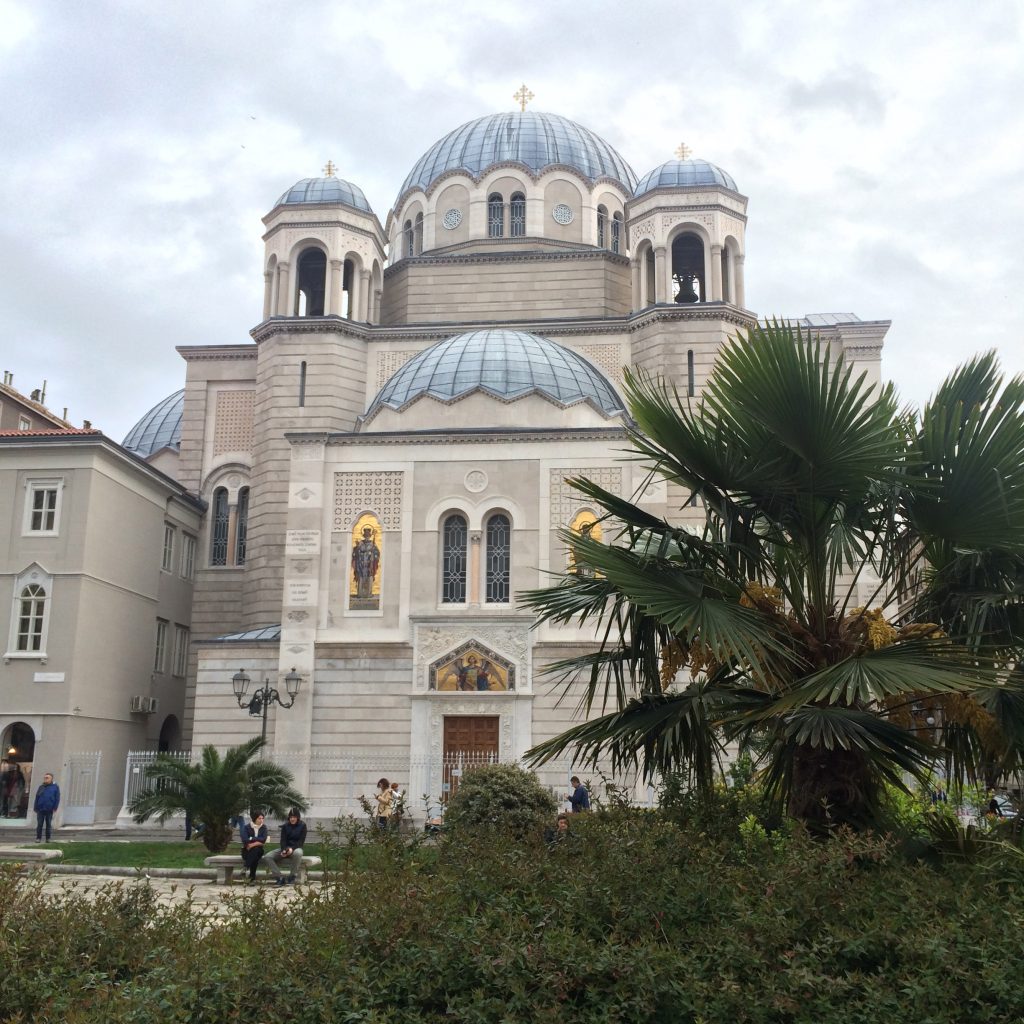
(502, 796)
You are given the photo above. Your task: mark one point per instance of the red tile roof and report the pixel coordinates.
(52, 432)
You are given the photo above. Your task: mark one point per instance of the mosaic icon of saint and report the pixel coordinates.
(365, 563)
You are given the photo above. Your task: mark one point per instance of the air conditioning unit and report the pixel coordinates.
(144, 705)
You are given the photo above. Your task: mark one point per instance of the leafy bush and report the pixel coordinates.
(636, 918)
(502, 796)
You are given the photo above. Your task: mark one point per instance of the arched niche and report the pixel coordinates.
(688, 262)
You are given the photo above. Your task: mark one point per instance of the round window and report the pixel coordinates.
(562, 214)
(452, 219)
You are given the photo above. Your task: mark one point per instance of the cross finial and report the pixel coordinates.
(683, 151)
(329, 169)
(522, 96)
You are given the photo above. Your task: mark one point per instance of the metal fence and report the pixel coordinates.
(334, 782)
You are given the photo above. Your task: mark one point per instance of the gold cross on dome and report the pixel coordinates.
(683, 151)
(522, 96)
(329, 169)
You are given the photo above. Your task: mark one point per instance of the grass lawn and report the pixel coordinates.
(146, 855)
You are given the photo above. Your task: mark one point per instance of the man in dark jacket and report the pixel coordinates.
(47, 801)
(579, 797)
(293, 838)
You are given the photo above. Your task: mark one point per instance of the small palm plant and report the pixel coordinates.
(215, 790)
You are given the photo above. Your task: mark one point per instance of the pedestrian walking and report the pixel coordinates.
(384, 799)
(579, 797)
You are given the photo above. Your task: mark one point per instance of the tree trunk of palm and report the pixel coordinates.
(217, 837)
(832, 787)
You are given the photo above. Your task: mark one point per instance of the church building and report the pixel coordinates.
(384, 464)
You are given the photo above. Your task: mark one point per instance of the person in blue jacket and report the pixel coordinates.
(579, 797)
(47, 801)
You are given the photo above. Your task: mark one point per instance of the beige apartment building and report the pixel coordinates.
(98, 552)
(385, 463)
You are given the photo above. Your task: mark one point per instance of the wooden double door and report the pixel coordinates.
(473, 736)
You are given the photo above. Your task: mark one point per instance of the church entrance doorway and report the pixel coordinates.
(19, 747)
(469, 740)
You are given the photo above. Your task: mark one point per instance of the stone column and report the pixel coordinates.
(364, 296)
(337, 274)
(634, 274)
(660, 275)
(378, 297)
(284, 291)
(716, 275)
(354, 296)
(475, 539)
(737, 264)
(268, 293)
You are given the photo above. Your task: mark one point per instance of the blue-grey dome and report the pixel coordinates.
(325, 190)
(683, 173)
(159, 428)
(525, 137)
(506, 364)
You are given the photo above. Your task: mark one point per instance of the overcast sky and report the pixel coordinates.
(881, 146)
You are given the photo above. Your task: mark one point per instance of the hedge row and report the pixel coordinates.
(632, 918)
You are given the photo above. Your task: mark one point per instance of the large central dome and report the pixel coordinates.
(506, 364)
(530, 138)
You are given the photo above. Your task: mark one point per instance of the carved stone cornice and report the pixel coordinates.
(492, 435)
(507, 256)
(379, 239)
(721, 311)
(196, 353)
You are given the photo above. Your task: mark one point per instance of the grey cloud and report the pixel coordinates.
(851, 91)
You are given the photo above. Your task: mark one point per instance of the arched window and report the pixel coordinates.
(219, 533)
(726, 277)
(498, 559)
(242, 526)
(617, 232)
(417, 232)
(348, 276)
(495, 215)
(454, 540)
(602, 226)
(312, 281)
(31, 611)
(688, 268)
(650, 284)
(410, 239)
(517, 215)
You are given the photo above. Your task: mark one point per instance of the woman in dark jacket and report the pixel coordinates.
(254, 842)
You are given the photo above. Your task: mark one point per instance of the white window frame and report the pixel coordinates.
(33, 486)
(160, 647)
(167, 559)
(24, 423)
(189, 543)
(34, 574)
(180, 664)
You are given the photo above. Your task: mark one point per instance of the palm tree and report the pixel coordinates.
(215, 790)
(831, 600)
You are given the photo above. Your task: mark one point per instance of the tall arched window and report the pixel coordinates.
(312, 283)
(417, 232)
(495, 215)
(454, 540)
(517, 215)
(410, 239)
(242, 526)
(617, 232)
(219, 533)
(498, 559)
(602, 221)
(31, 610)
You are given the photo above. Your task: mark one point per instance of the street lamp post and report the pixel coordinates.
(260, 700)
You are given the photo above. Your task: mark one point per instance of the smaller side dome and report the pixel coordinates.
(325, 190)
(159, 428)
(684, 174)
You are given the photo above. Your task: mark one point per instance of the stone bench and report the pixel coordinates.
(17, 853)
(227, 864)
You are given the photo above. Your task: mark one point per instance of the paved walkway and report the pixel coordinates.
(217, 901)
